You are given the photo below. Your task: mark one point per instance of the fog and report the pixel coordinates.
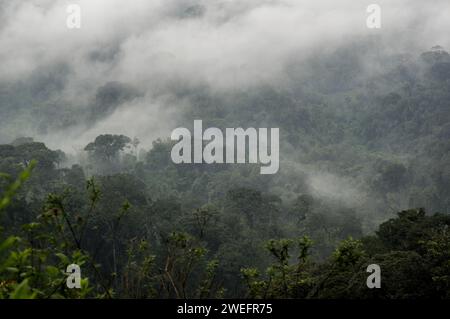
(127, 140)
(145, 53)
(155, 46)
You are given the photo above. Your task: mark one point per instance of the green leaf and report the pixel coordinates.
(8, 242)
(22, 291)
(64, 259)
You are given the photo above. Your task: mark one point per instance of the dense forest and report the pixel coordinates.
(364, 179)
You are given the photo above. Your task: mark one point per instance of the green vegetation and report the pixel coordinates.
(360, 155)
(413, 250)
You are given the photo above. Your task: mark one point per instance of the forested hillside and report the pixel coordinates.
(364, 178)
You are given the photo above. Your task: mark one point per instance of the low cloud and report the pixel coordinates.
(155, 45)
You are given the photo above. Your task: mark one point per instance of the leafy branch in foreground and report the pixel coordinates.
(14, 187)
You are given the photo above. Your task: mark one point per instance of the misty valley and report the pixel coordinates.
(219, 149)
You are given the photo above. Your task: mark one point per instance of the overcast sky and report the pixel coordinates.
(224, 44)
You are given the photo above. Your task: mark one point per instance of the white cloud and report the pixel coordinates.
(223, 44)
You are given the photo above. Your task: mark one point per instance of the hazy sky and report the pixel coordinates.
(224, 44)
